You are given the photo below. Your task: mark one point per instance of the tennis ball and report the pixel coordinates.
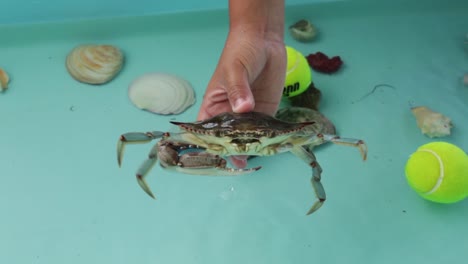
(438, 172)
(298, 74)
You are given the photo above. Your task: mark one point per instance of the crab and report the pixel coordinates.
(201, 147)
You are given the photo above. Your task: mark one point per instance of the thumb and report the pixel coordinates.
(238, 89)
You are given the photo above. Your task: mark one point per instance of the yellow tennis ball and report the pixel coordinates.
(298, 74)
(438, 171)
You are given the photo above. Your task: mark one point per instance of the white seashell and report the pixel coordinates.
(161, 93)
(4, 80)
(94, 64)
(431, 123)
(303, 31)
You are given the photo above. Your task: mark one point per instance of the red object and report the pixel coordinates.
(322, 63)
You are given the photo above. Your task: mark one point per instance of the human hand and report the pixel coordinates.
(249, 77)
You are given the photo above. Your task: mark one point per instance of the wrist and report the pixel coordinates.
(257, 18)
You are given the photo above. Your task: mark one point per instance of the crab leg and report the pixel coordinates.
(144, 168)
(135, 138)
(310, 159)
(322, 138)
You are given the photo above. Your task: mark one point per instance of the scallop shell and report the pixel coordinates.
(94, 64)
(4, 79)
(161, 93)
(303, 31)
(431, 123)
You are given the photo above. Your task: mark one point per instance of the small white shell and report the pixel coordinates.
(161, 93)
(431, 123)
(4, 80)
(303, 31)
(94, 64)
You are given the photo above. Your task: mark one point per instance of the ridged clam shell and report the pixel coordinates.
(161, 93)
(94, 64)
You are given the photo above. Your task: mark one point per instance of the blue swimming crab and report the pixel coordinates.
(200, 147)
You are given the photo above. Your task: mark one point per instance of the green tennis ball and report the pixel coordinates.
(438, 171)
(298, 74)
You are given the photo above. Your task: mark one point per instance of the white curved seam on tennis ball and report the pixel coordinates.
(296, 63)
(441, 172)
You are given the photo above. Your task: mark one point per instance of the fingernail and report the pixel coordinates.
(238, 104)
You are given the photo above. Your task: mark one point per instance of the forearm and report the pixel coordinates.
(263, 17)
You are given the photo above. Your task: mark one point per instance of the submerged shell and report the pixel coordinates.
(161, 93)
(94, 64)
(4, 80)
(465, 79)
(302, 114)
(310, 98)
(431, 123)
(303, 31)
(322, 124)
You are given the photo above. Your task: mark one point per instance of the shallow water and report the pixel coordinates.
(63, 198)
